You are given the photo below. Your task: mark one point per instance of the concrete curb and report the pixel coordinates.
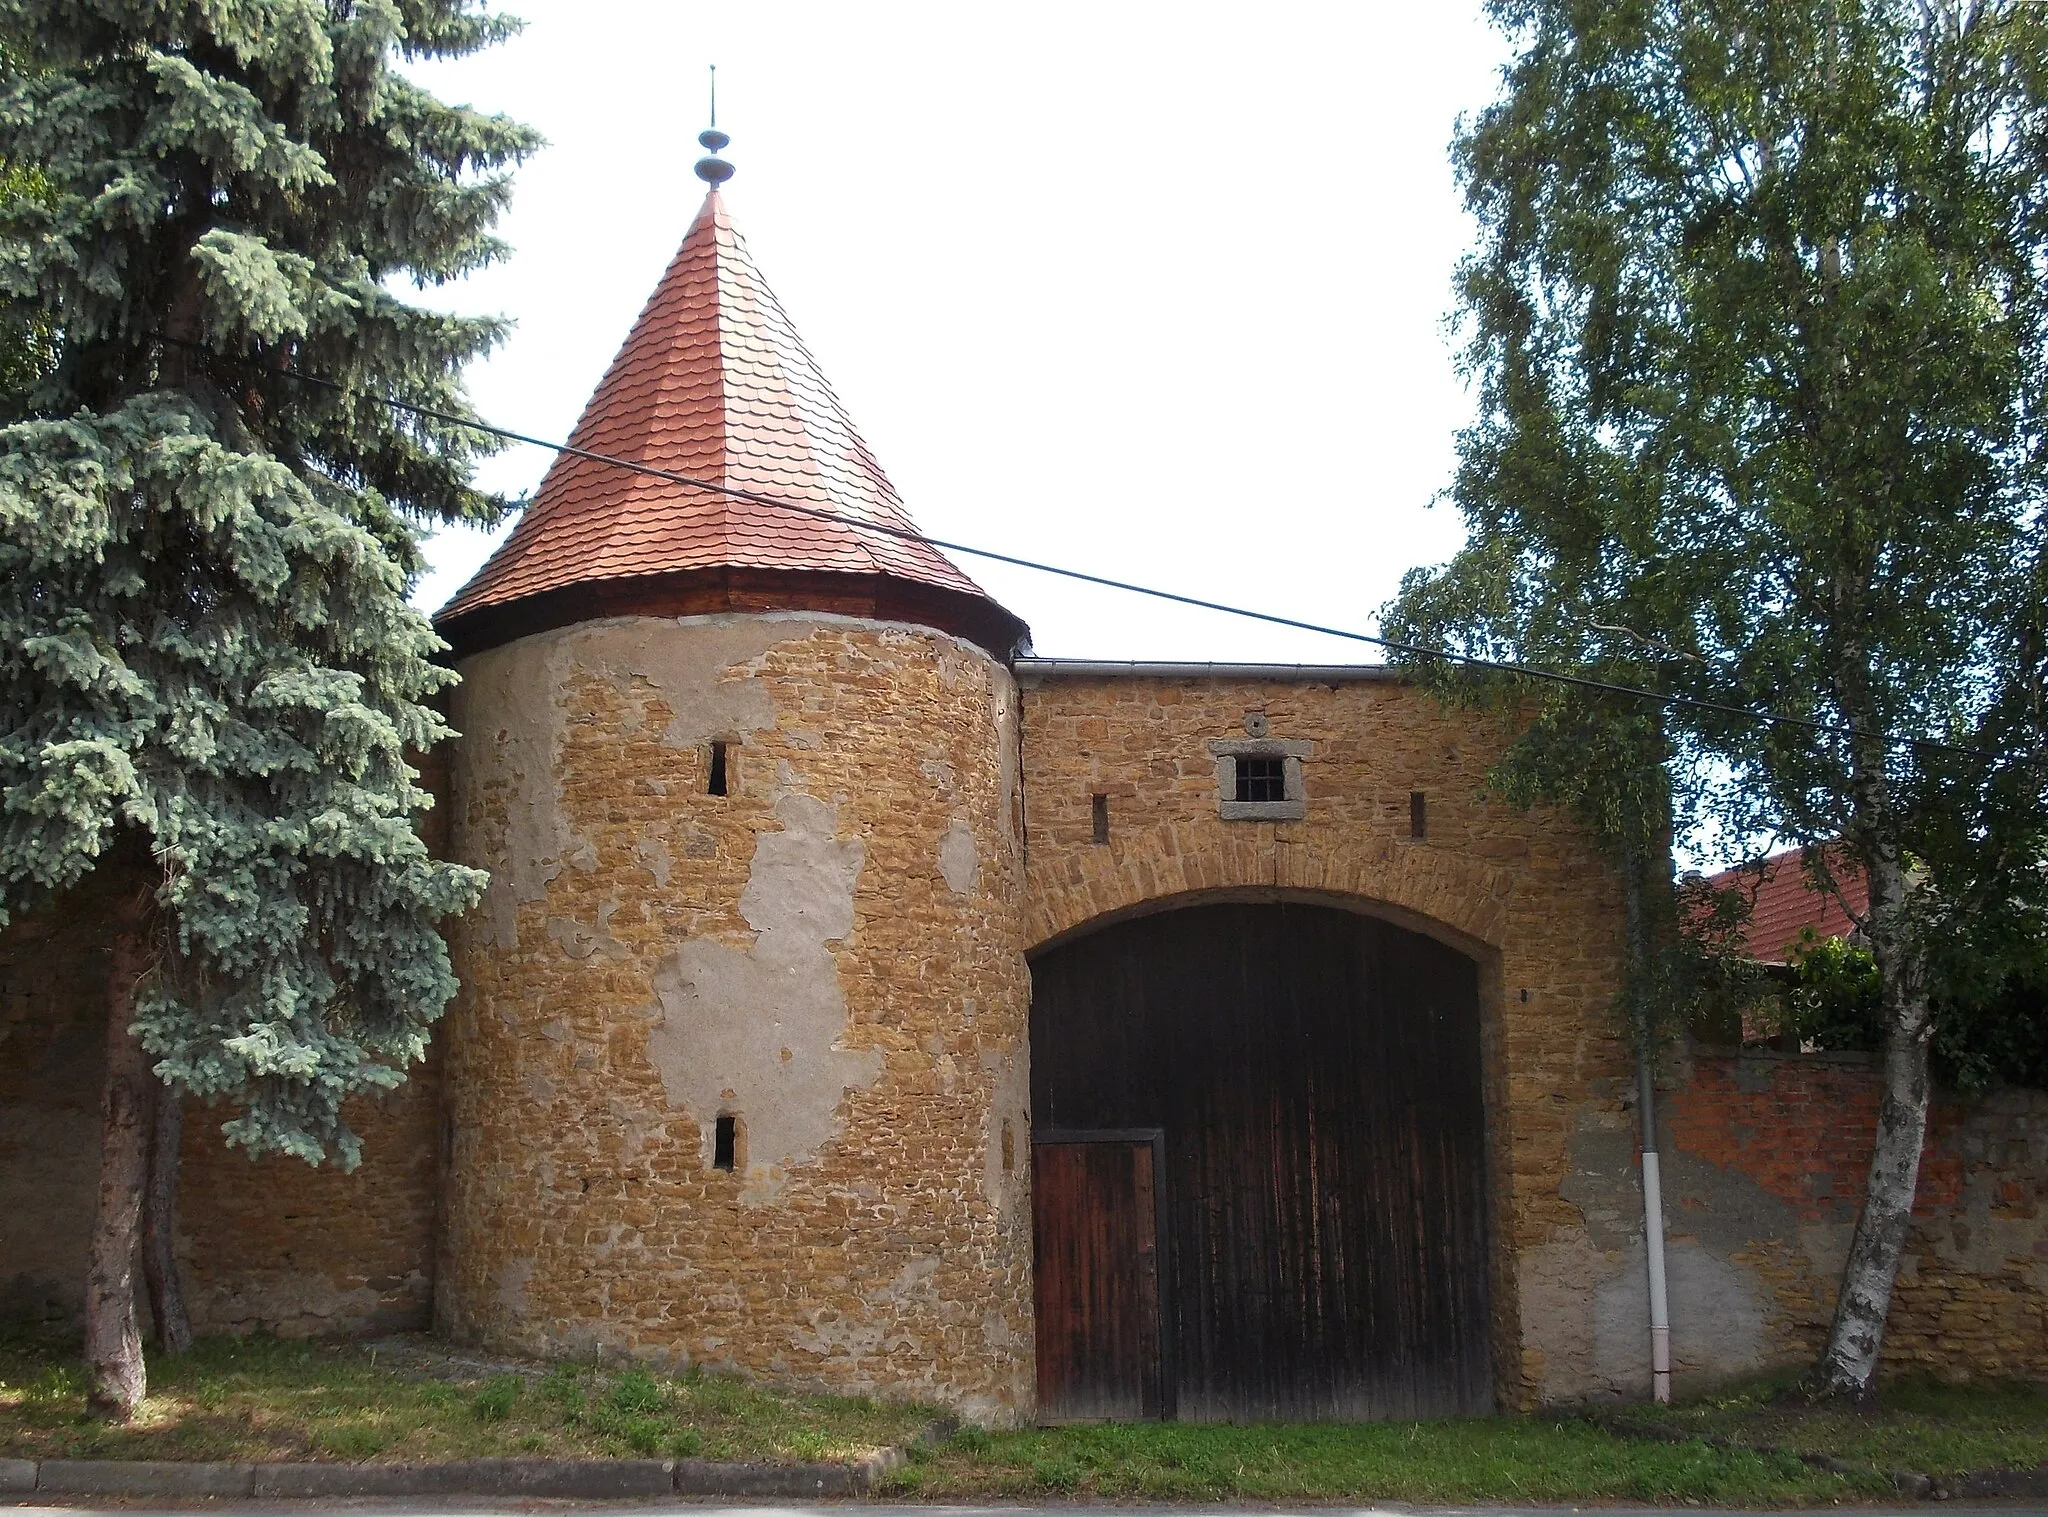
(586, 1479)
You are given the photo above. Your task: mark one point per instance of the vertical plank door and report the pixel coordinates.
(1097, 1280)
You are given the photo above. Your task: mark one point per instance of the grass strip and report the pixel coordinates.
(1493, 1459)
(1914, 1423)
(263, 1400)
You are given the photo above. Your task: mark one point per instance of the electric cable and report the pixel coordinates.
(1392, 645)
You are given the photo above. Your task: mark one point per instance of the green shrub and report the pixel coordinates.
(1834, 1002)
(634, 1393)
(565, 1391)
(351, 1440)
(1062, 1473)
(495, 1400)
(643, 1435)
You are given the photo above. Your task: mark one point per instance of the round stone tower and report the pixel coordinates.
(737, 1074)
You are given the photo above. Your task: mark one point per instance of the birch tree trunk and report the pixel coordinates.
(160, 1224)
(1848, 1364)
(1856, 1339)
(113, 1342)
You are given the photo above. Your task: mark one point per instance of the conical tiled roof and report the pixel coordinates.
(714, 383)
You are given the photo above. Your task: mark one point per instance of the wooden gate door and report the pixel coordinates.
(1316, 1074)
(1097, 1258)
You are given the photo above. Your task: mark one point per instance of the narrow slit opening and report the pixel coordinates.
(725, 1143)
(1101, 807)
(718, 770)
(1418, 814)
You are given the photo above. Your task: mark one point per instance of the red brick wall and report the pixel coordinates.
(1783, 1141)
(1806, 1133)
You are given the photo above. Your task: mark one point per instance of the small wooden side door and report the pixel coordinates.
(1095, 1214)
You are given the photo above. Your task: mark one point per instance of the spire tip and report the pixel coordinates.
(713, 170)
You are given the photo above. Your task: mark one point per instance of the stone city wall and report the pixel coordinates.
(1764, 1155)
(833, 955)
(269, 1245)
(1523, 893)
(828, 954)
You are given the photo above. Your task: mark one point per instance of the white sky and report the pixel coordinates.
(1151, 290)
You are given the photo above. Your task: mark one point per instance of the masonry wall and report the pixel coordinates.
(1764, 1154)
(1768, 1154)
(1524, 894)
(52, 1022)
(829, 954)
(269, 1245)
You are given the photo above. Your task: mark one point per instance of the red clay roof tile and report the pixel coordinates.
(712, 382)
(1785, 900)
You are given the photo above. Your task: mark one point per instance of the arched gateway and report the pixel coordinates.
(1259, 1169)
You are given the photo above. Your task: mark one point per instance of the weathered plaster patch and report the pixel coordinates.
(958, 861)
(292, 1303)
(507, 768)
(1719, 1312)
(1009, 1110)
(1557, 1282)
(652, 855)
(512, 1283)
(581, 942)
(504, 770)
(767, 1021)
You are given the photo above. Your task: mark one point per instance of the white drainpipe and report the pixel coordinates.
(1653, 1228)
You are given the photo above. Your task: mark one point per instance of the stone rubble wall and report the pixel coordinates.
(1764, 1155)
(1524, 894)
(865, 899)
(829, 953)
(270, 1245)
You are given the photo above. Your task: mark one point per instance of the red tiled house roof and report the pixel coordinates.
(1785, 900)
(714, 383)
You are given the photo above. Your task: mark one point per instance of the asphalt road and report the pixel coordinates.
(458, 1507)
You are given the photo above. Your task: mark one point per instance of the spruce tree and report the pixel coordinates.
(210, 679)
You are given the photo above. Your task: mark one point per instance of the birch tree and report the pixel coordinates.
(1759, 298)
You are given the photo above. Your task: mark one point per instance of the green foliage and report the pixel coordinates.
(1516, 1460)
(1835, 1000)
(497, 1396)
(634, 1393)
(1913, 1423)
(1994, 1034)
(213, 682)
(351, 1440)
(28, 336)
(256, 1399)
(1761, 345)
(565, 1392)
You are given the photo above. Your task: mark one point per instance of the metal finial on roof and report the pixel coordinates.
(713, 170)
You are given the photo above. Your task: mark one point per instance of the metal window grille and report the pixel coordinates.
(1261, 779)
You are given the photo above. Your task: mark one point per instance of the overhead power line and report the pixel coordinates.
(1270, 618)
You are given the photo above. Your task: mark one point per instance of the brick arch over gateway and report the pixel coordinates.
(1460, 900)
